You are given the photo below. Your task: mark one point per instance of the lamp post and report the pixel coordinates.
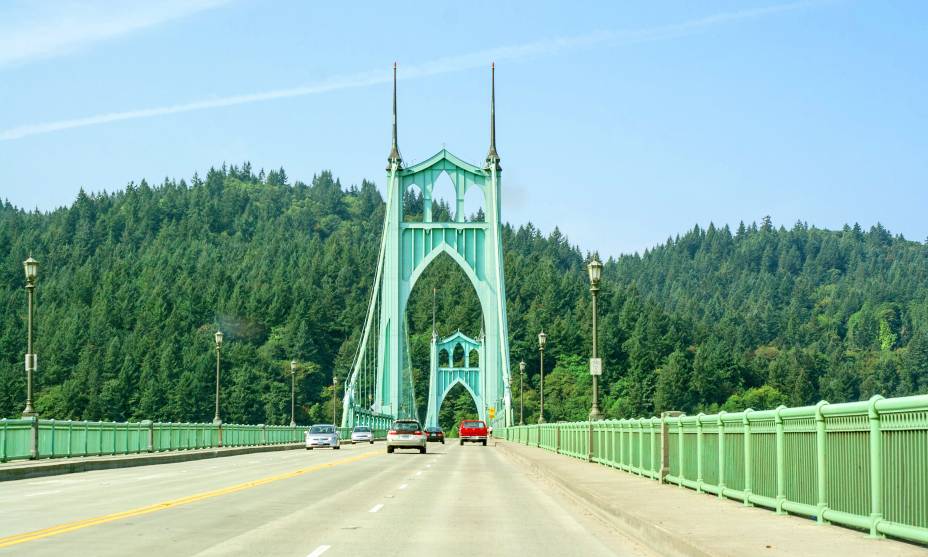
(334, 396)
(292, 393)
(521, 392)
(596, 365)
(542, 340)
(31, 267)
(218, 336)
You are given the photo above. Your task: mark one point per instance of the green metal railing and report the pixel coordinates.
(344, 433)
(859, 464)
(34, 438)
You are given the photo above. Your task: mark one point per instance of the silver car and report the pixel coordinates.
(362, 434)
(322, 435)
(406, 434)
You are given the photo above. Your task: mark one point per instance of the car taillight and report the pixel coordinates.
(417, 433)
(392, 432)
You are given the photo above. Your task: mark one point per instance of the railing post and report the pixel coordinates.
(665, 443)
(70, 433)
(150, 435)
(876, 468)
(699, 452)
(748, 457)
(721, 426)
(219, 426)
(589, 442)
(51, 441)
(640, 446)
(654, 467)
(680, 453)
(34, 438)
(263, 433)
(781, 459)
(820, 461)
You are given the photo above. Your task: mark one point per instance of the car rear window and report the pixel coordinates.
(472, 424)
(362, 429)
(322, 429)
(405, 426)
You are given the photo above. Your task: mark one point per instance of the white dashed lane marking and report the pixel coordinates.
(376, 508)
(319, 551)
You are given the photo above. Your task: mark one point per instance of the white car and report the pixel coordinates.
(406, 434)
(362, 434)
(322, 435)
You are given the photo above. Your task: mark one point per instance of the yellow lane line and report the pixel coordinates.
(86, 523)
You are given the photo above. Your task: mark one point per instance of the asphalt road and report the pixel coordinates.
(455, 500)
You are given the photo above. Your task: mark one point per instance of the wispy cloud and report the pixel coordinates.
(439, 66)
(44, 30)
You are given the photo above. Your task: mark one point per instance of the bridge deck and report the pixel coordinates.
(455, 500)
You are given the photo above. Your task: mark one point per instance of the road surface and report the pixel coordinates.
(455, 500)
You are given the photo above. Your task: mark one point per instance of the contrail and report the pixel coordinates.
(450, 64)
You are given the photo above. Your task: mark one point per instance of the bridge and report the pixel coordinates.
(380, 386)
(827, 479)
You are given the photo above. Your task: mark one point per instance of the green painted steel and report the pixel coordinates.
(65, 438)
(380, 382)
(444, 375)
(861, 464)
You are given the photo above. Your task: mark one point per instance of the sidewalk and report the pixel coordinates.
(672, 520)
(21, 469)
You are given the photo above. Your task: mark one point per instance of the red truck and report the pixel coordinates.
(473, 431)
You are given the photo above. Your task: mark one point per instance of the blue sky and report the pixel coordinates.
(622, 123)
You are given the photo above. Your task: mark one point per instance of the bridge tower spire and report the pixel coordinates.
(492, 155)
(395, 157)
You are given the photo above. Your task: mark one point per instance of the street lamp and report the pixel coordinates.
(596, 365)
(292, 393)
(521, 392)
(218, 336)
(334, 396)
(31, 267)
(542, 339)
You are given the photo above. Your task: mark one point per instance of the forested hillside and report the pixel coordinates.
(133, 284)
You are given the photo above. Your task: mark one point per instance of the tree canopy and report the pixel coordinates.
(133, 284)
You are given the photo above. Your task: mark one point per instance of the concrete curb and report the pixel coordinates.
(653, 536)
(51, 467)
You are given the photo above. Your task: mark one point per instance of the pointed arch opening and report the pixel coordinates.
(458, 405)
(458, 356)
(457, 307)
(444, 199)
(413, 204)
(474, 206)
(473, 359)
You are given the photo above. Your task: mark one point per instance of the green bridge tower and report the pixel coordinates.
(380, 386)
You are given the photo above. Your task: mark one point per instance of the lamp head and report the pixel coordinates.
(218, 336)
(31, 267)
(292, 366)
(522, 366)
(596, 271)
(542, 340)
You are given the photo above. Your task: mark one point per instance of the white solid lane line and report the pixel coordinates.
(376, 508)
(404, 486)
(419, 473)
(319, 551)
